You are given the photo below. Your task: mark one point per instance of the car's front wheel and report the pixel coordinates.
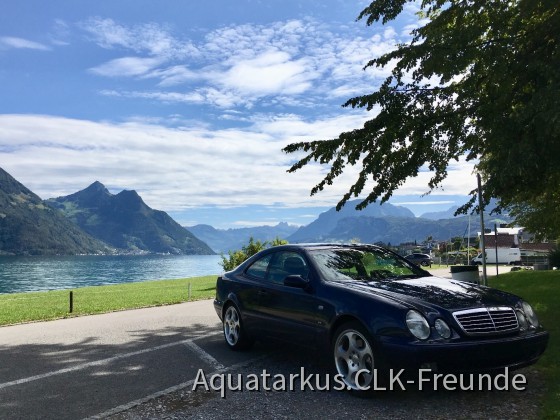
(234, 333)
(353, 356)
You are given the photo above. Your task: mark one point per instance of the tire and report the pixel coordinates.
(234, 333)
(424, 263)
(353, 353)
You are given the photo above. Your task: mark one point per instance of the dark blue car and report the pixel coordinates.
(372, 310)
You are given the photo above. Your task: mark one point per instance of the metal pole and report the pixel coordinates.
(482, 242)
(469, 243)
(496, 239)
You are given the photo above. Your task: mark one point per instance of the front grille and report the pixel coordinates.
(482, 321)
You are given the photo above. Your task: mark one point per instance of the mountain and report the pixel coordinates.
(224, 240)
(437, 215)
(126, 222)
(29, 227)
(386, 223)
(450, 213)
(323, 228)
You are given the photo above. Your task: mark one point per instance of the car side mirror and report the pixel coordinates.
(295, 280)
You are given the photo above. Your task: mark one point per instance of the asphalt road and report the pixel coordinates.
(80, 367)
(145, 364)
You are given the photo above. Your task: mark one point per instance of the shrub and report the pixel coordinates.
(235, 258)
(554, 258)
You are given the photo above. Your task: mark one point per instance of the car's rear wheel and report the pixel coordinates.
(354, 356)
(234, 333)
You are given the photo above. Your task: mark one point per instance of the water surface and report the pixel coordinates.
(25, 274)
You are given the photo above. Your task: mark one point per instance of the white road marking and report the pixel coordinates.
(102, 362)
(178, 387)
(204, 355)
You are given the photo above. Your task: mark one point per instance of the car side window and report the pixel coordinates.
(287, 263)
(259, 268)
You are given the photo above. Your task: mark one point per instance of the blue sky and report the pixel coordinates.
(190, 103)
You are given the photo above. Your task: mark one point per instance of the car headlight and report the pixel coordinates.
(442, 328)
(417, 325)
(522, 319)
(530, 314)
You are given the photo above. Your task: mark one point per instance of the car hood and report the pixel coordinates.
(436, 291)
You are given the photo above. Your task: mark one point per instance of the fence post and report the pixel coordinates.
(189, 297)
(71, 301)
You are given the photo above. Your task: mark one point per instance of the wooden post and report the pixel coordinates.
(71, 301)
(189, 297)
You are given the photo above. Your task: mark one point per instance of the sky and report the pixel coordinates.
(190, 103)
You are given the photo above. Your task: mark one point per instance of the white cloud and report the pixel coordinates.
(272, 84)
(270, 73)
(21, 43)
(198, 96)
(289, 63)
(175, 169)
(460, 180)
(172, 169)
(60, 33)
(151, 38)
(126, 66)
(175, 75)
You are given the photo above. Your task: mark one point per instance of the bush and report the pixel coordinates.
(235, 258)
(554, 258)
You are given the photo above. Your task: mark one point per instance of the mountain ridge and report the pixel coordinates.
(94, 220)
(29, 227)
(126, 222)
(319, 230)
(388, 224)
(224, 240)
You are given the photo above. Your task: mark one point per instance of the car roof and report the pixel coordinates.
(320, 245)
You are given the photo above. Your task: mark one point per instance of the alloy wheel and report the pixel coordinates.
(354, 359)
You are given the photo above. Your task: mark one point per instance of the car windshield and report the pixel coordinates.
(363, 264)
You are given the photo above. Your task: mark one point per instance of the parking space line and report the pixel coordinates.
(175, 388)
(204, 355)
(102, 362)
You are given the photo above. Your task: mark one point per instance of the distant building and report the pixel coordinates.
(517, 237)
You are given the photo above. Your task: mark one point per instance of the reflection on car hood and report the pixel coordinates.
(437, 291)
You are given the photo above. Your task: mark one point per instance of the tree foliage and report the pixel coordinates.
(235, 258)
(479, 80)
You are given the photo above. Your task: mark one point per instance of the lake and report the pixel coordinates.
(26, 274)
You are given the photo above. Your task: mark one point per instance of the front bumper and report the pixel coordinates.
(218, 306)
(466, 356)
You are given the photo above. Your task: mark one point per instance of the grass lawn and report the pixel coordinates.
(542, 290)
(42, 306)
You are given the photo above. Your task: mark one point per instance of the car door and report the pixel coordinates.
(248, 292)
(291, 313)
